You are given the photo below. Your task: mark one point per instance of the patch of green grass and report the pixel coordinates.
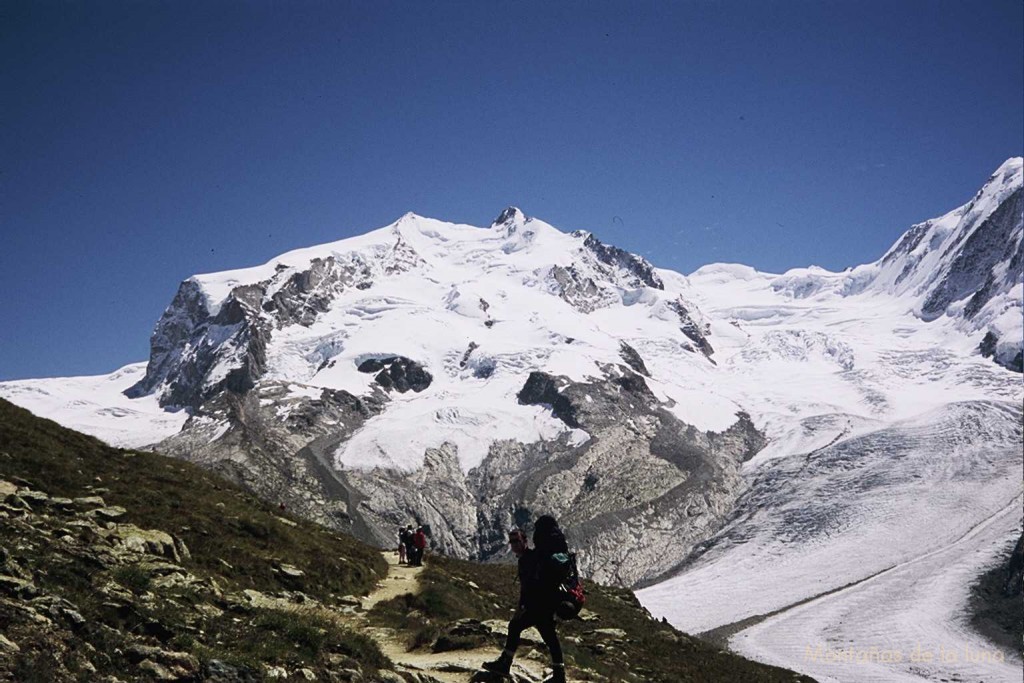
(293, 638)
(132, 577)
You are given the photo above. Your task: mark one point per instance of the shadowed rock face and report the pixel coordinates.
(1014, 570)
(694, 331)
(196, 353)
(974, 260)
(633, 359)
(622, 260)
(987, 348)
(995, 600)
(968, 265)
(189, 343)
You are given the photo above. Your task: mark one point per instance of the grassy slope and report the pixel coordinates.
(217, 520)
(235, 542)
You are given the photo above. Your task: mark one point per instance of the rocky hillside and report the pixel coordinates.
(119, 565)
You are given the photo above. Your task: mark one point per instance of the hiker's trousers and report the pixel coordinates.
(544, 621)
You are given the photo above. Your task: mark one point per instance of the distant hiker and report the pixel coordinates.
(539, 578)
(401, 545)
(419, 544)
(409, 550)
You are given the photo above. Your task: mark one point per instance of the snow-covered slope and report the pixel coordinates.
(477, 309)
(96, 405)
(892, 474)
(965, 267)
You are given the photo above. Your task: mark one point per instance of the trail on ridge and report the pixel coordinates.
(457, 666)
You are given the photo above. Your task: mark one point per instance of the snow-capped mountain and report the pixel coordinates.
(966, 266)
(414, 370)
(472, 378)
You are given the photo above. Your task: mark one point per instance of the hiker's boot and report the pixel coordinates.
(557, 674)
(501, 665)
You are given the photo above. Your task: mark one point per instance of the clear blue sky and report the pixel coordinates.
(143, 142)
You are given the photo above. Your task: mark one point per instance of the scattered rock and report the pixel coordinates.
(160, 673)
(399, 373)
(151, 541)
(111, 513)
(500, 628)
(290, 572)
(218, 671)
(33, 498)
(90, 502)
(63, 504)
(612, 633)
(18, 588)
(74, 617)
(7, 645)
(276, 672)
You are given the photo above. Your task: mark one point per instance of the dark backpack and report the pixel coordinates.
(571, 596)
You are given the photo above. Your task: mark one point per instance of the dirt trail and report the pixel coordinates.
(444, 667)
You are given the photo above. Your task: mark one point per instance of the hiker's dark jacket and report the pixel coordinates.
(539, 574)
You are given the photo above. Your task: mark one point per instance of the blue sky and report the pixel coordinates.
(143, 142)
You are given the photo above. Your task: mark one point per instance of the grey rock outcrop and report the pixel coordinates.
(640, 270)
(974, 259)
(189, 343)
(695, 329)
(644, 489)
(967, 264)
(634, 497)
(279, 448)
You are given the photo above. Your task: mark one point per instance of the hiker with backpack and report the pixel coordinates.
(541, 571)
(401, 545)
(419, 545)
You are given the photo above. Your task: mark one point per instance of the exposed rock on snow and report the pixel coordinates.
(398, 373)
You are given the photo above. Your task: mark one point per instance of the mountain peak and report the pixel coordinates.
(509, 216)
(1010, 165)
